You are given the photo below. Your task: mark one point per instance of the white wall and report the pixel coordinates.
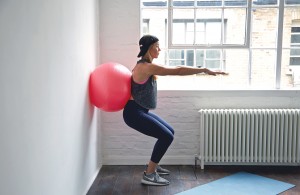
(122, 145)
(48, 129)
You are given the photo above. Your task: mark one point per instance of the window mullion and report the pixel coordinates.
(170, 23)
(249, 23)
(279, 43)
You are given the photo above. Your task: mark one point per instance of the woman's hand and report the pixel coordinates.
(214, 73)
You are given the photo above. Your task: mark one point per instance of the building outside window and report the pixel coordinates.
(295, 43)
(235, 36)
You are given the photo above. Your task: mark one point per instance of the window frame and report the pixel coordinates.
(251, 5)
(210, 46)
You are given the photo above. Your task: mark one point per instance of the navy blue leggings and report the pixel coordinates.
(140, 119)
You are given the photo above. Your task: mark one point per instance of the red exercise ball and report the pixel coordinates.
(110, 86)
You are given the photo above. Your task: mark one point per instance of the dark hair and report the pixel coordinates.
(145, 42)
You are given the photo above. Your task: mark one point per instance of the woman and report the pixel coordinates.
(144, 97)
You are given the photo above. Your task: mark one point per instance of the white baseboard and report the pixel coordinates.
(142, 160)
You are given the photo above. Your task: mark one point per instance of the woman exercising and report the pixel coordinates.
(144, 98)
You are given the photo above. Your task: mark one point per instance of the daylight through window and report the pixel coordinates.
(256, 41)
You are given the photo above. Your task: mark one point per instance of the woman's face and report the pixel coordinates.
(154, 50)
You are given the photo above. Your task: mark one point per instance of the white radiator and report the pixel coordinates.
(249, 136)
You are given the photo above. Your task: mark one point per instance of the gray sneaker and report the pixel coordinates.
(162, 171)
(154, 179)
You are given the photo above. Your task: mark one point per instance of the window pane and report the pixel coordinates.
(264, 2)
(183, 3)
(236, 67)
(295, 29)
(213, 59)
(235, 26)
(199, 58)
(264, 28)
(291, 26)
(200, 32)
(189, 33)
(235, 2)
(154, 3)
(263, 68)
(295, 61)
(295, 52)
(212, 64)
(176, 57)
(213, 32)
(292, 2)
(286, 70)
(178, 33)
(295, 39)
(145, 26)
(209, 2)
(208, 26)
(183, 26)
(176, 62)
(190, 57)
(213, 54)
(176, 54)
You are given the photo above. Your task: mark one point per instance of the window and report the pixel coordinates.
(145, 26)
(295, 44)
(183, 30)
(256, 43)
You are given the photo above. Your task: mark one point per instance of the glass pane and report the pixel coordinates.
(183, 26)
(235, 2)
(149, 3)
(145, 26)
(213, 64)
(295, 29)
(213, 59)
(213, 32)
(295, 52)
(263, 68)
(295, 61)
(286, 70)
(183, 3)
(209, 2)
(292, 2)
(235, 26)
(190, 57)
(208, 26)
(264, 29)
(176, 62)
(213, 54)
(264, 2)
(178, 33)
(295, 39)
(291, 26)
(176, 54)
(236, 67)
(200, 32)
(189, 33)
(199, 58)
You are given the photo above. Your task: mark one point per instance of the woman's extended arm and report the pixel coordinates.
(154, 69)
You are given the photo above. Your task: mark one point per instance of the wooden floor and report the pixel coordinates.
(126, 179)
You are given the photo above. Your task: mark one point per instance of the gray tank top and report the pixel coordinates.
(145, 94)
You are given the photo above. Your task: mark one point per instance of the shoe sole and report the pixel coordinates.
(162, 173)
(153, 183)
